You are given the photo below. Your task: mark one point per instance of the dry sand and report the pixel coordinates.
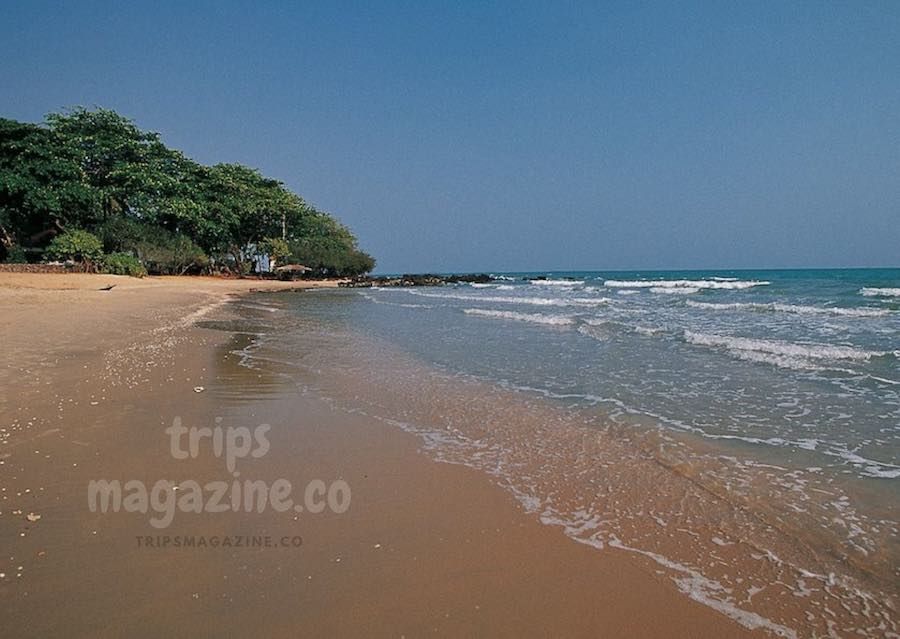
(88, 382)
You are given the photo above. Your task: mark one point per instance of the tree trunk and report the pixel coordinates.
(6, 238)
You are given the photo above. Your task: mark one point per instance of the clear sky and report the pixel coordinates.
(461, 136)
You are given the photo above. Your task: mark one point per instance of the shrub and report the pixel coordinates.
(123, 264)
(119, 233)
(170, 254)
(16, 255)
(78, 246)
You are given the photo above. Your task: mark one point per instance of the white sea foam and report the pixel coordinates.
(871, 468)
(649, 331)
(708, 592)
(880, 292)
(566, 283)
(258, 307)
(779, 353)
(612, 325)
(791, 308)
(680, 290)
(536, 318)
(777, 347)
(372, 298)
(714, 283)
(534, 301)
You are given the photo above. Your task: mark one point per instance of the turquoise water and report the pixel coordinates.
(801, 364)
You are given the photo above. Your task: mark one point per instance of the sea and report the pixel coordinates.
(738, 431)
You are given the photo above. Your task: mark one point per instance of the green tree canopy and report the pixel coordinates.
(42, 186)
(96, 170)
(328, 247)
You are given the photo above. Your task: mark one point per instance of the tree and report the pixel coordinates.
(276, 248)
(241, 208)
(328, 247)
(120, 162)
(96, 171)
(42, 187)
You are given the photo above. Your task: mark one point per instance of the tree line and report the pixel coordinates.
(90, 186)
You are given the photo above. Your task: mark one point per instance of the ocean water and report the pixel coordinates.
(802, 361)
(739, 430)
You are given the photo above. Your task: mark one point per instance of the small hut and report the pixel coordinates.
(291, 271)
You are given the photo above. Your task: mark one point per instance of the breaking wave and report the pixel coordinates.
(880, 292)
(780, 353)
(791, 308)
(535, 301)
(565, 283)
(680, 290)
(535, 318)
(713, 283)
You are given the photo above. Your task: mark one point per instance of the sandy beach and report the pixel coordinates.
(89, 383)
(448, 319)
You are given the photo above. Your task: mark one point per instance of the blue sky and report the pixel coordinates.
(515, 136)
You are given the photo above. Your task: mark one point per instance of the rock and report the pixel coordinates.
(416, 279)
(199, 389)
(32, 517)
(480, 278)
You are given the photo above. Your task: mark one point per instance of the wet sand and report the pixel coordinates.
(90, 380)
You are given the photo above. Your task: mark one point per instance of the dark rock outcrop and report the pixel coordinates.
(418, 279)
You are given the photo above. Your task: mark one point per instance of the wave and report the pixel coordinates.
(535, 301)
(782, 354)
(373, 299)
(879, 292)
(777, 347)
(258, 307)
(566, 283)
(681, 290)
(714, 283)
(535, 318)
(496, 287)
(708, 592)
(791, 308)
(604, 329)
(869, 467)
(866, 466)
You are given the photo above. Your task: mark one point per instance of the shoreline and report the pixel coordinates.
(609, 486)
(455, 552)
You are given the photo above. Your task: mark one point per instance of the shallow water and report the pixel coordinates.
(798, 360)
(738, 429)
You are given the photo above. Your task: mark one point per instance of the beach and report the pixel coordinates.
(92, 379)
(448, 319)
